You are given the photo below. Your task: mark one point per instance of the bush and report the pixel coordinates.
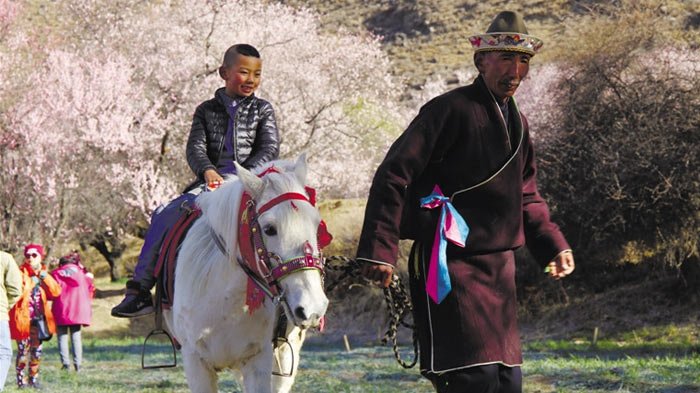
(621, 166)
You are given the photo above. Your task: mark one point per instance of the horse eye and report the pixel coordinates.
(270, 230)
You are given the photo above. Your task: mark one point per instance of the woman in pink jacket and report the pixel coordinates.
(73, 309)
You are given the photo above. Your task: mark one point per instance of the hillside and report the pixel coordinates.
(430, 37)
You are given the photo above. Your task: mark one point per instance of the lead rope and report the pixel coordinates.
(398, 305)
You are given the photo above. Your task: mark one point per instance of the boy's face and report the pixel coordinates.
(243, 76)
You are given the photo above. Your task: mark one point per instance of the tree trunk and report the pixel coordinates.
(63, 213)
(111, 248)
(690, 273)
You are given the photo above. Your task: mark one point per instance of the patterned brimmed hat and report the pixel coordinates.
(507, 33)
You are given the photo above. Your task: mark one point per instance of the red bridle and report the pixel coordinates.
(266, 269)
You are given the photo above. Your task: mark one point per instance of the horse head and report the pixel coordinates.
(285, 223)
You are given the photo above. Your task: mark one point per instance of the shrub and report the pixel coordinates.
(621, 166)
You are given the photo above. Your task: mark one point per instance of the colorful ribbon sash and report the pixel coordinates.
(451, 227)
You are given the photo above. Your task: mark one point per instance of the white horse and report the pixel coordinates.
(209, 316)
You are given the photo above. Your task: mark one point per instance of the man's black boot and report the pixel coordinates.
(138, 301)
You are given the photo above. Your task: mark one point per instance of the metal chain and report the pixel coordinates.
(398, 304)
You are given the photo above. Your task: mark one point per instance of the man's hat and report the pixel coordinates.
(507, 33)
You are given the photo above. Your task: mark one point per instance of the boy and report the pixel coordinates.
(233, 126)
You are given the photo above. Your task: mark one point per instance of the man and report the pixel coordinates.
(473, 145)
(10, 290)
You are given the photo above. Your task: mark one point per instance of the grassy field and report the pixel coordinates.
(646, 360)
(114, 365)
(639, 350)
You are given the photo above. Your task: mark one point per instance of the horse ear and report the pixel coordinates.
(251, 183)
(300, 169)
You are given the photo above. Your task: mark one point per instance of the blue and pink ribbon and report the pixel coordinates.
(451, 227)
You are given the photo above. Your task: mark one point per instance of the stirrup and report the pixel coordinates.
(159, 331)
(153, 333)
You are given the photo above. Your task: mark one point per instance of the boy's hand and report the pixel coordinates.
(212, 177)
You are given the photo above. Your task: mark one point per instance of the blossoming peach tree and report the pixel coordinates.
(96, 103)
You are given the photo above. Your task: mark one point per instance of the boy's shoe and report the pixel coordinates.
(65, 367)
(137, 302)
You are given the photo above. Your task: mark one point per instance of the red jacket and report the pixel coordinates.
(19, 314)
(74, 306)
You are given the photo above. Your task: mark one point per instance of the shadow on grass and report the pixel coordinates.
(636, 351)
(102, 294)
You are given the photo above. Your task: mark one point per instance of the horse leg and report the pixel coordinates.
(286, 360)
(257, 372)
(200, 377)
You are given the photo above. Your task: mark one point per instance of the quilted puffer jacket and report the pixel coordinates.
(254, 133)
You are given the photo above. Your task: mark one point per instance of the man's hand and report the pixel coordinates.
(562, 265)
(379, 273)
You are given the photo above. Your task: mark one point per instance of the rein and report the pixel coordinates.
(398, 304)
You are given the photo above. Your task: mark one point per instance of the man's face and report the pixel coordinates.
(243, 76)
(503, 71)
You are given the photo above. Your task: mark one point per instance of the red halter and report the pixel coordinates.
(263, 268)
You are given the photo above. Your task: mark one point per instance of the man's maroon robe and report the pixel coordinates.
(460, 139)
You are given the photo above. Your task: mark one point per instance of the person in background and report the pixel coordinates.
(461, 182)
(38, 287)
(234, 126)
(10, 290)
(73, 308)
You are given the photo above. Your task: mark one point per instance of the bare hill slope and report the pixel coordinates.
(430, 37)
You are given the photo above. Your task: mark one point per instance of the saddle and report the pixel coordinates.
(165, 266)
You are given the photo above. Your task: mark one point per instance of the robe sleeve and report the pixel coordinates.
(543, 237)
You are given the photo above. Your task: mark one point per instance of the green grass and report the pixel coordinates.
(114, 365)
(593, 373)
